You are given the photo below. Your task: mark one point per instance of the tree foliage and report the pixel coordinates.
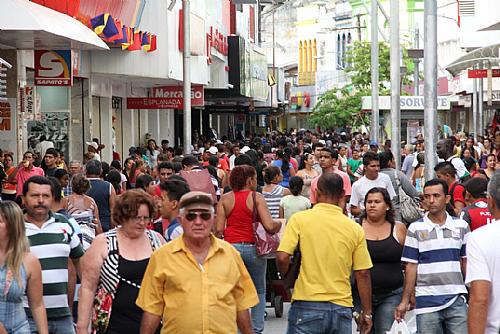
(340, 107)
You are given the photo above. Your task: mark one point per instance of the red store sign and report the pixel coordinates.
(168, 97)
(216, 40)
(495, 73)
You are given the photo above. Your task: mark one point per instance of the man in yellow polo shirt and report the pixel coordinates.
(332, 246)
(197, 283)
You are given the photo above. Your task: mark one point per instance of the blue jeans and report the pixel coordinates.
(256, 266)
(383, 307)
(452, 319)
(62, 325)
(319, 318)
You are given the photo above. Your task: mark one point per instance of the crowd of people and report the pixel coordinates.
(166, 242)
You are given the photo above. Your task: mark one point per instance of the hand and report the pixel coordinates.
(400, 311)
(2, 329)
(364, 324)
(413, 301)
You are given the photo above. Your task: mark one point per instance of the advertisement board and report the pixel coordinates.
(168, 97)
(53, 68)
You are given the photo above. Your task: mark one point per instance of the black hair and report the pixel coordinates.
(389, 215)
(296, 183)
(333, 153)
(56, 184)
(385, 157)
(190, 161)
(437, 182)
(175, 188)
(445, 167)
(331, 185)
(116, 164)
(318, 144)
(165, 165)
(285, 161)
(115, 178)
(59, 173)
(105, 169)
(40, 180)
(369, 157)
(270, 174)
(143, 181)
(213, 160)
(52, 151)
(243, 159)
(303, 159)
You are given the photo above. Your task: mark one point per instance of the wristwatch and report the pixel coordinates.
(368, 316)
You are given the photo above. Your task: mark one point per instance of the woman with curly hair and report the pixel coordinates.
(114, 266)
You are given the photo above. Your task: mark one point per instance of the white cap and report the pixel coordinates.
(245, 149)
(93, 144)
(213, 150)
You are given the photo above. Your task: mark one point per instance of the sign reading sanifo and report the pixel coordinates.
(53, 68)
(168, 97)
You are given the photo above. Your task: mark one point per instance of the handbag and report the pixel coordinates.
(293, 270)
(101, 312)
(407, 205)
(265, 242)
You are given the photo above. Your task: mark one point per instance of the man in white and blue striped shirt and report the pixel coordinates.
(434, 253)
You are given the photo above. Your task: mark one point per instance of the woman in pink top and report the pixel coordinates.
(235, 223)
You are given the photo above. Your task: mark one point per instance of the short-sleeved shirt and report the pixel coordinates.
(483, 264)
(292, 204)
(457, 193)
(363, 185)
(332, 246)
(345, 179)
(53, 244)
(437, 250)
(194, 298)
(459, 167)
(477, 214)
(23, 175)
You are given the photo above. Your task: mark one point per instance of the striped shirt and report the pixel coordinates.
(438, 251)
(273, 200)
(52, 244)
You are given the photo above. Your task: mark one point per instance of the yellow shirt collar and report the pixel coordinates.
(180, 245)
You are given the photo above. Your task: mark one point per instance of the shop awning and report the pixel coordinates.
(482, 56)
(25, 25)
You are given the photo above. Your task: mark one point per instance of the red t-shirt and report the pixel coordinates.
(239, 227)
(458, 192)
(222, 164)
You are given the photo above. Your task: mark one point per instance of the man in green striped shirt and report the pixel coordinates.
(53, 240)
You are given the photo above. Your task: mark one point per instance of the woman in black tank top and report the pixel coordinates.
(385, 240)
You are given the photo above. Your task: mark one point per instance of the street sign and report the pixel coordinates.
(53, 68)
(478, 74)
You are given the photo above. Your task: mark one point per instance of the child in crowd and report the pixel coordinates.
(295, 202)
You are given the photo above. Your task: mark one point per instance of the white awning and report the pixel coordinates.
(482, 56)
(25, 25)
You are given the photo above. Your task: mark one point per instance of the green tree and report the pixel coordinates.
(341, 106)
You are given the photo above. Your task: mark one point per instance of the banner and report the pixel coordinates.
(53, 68)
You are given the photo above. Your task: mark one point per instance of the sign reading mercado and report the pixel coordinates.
(168, 97)
(405, 103)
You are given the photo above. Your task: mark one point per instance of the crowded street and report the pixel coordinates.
(249, 166)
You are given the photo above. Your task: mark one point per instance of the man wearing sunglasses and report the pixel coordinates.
(197, 283)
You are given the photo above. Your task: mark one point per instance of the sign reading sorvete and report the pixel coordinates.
(482, 73)
(53, 68)
(405, 103)
(168, 97)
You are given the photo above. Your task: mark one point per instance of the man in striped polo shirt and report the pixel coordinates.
(52, 240)
(434, 253)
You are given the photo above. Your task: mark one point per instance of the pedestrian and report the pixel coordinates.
(52, 239)
(434, 253)
(307, 173)
(43, 145)
(114, 266)
(283, 163)
(75, 167)
(491, 165)
(354, 163)
(322, 298)
(295, 202)
(483, 269)
(9, 183)
(235, 223)
(444, 150)
(446, 172)
(20, 275)
(93, 150)
(273, 191)
(102, 192)
(171, 193)
(385, 238)
(408, 160)
(24, 171)
(196, 283)
(130, 171)
(49, 164)
(476, 213)
(371, 179)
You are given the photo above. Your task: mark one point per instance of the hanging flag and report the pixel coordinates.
(146, 41)
(152, 46)
(124, 38)
(110, 29)
(128, 38)
(136, 42)
(118, 35)
(98, 23)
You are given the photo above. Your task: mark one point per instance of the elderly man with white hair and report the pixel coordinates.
(407, 167)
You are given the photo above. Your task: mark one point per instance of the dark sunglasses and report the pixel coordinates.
(190, 216)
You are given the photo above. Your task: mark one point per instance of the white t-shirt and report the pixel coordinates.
(483, 263)
(363, 185)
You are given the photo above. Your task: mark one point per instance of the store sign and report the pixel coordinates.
(53, 68)
(406, 103)
(7, 117)
(478, 74)
(217, 41)
(168, 97)
(27, 99)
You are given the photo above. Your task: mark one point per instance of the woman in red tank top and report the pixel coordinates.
(234, 222)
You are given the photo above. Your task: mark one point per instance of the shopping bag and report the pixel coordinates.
(399, 328)
(411, 321)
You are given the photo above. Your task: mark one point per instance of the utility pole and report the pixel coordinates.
(374, 127)
(186, 75)
(474, 106)
(480, 106)
(430, 86)
(359, 26)
(416, 61)
(395, 84)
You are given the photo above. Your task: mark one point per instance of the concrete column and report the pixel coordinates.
(77, 126)
(143, 125)
(106, 124)
(128, 130)
(154, 121)
(166, 123)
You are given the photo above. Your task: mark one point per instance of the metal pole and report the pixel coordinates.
(480, 105)
(395, 84)
(416, 79)
(430, 86)
(374, 127)
(186, 75)
(474, 107)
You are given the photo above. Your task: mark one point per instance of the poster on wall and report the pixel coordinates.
(54, 126)
(8, 125)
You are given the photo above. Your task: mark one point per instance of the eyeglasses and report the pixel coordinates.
(142, 219)
(190, 216)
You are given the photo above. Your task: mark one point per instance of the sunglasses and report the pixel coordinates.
(190, 216)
